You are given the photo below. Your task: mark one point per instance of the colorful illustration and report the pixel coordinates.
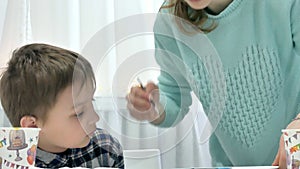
(17, 142)
(31, 154)
(292, 147)
(295, 163)
(3, 142)
(18, 147)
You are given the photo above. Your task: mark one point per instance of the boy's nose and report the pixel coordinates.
(94, 117)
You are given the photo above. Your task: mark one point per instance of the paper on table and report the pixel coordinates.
(256, 167)
(76, 168)
(250, 167)
(241, 167)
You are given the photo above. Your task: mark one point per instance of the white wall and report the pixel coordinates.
(3, 4)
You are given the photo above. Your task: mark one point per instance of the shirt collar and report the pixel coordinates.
(48, 158)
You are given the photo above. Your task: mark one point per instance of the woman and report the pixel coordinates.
(257, 43)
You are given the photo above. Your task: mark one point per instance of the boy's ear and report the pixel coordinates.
(28, 121)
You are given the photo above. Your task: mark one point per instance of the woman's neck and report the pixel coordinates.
(217, 6)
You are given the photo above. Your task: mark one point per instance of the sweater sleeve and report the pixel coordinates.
(174, 88)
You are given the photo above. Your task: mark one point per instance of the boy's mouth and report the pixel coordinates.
(91, 133)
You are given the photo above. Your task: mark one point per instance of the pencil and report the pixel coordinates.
(142, 86)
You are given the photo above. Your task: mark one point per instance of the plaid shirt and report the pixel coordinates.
(102, 151)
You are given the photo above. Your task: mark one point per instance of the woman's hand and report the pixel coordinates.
(280, 159)
(143, 103)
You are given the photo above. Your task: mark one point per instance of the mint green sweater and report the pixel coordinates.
(246, 73)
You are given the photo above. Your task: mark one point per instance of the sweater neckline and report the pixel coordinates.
(227, 11)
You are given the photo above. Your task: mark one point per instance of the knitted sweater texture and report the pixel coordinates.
(245, 72)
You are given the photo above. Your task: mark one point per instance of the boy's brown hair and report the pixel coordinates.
(35, 75)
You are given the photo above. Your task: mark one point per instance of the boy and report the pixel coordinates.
(52, 88)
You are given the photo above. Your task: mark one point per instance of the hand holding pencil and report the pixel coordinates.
(143, 102)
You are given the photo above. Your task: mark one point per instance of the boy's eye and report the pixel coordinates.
(79, 114)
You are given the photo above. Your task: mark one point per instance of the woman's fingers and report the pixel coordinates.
(138, 98)
(140, 103)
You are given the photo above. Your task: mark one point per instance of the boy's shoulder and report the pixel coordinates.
(105, 140)
(103, 150)
(102, 136)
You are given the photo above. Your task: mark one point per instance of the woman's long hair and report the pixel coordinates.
(195, 17)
